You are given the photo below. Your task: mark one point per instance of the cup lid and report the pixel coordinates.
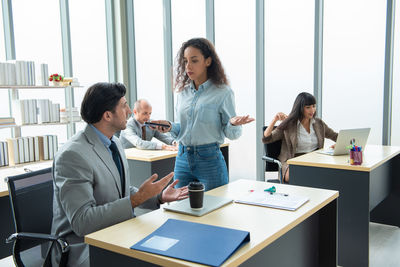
(196, 186)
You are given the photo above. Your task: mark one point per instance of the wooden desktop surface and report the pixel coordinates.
(152, 155)
(264, 224)
(373, 156)
(19, 169)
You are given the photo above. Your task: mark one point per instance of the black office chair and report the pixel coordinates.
(272, 164)
(31, 198)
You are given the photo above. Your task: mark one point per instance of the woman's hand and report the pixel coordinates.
(240, 120)
(172, 194)
(161, 129)
(280, 116)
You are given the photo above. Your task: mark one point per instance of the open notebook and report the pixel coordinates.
(275, 200)
(210, 203)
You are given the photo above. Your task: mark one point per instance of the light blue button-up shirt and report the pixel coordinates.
(203, 115)
(104, 139)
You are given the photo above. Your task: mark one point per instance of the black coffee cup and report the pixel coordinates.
(196, 195)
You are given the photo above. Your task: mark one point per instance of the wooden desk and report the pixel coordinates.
(369, 192)
(144, 163)
(7, 221)
(306, 237)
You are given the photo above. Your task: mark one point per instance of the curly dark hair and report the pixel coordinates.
(303, 99)
(215, 72)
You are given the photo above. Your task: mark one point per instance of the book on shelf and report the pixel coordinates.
(51, 146)
(31, 149)
(45, 147)
(36, 148)
(41, 147)
(13, 151)
(2, 156)
(5, 149)
(55, 145)
(7, 121)
(44, 74)
(28, 149)
(21, 150)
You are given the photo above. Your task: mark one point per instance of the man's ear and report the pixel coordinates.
(107, 115)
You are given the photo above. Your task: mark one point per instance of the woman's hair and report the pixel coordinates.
(302, 100)
(215, 72)
(99, 98)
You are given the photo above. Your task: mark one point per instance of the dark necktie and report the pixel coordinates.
(144, 132)
(117, 160)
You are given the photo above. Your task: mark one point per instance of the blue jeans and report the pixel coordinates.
(204, 163)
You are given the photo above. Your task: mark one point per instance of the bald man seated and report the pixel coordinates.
(138, 135)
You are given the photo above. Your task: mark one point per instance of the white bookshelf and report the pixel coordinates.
(68, 100)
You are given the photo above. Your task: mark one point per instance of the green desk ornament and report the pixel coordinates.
(271, 190)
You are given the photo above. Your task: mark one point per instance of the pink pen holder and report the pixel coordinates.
(356, 157)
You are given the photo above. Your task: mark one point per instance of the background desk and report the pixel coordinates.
(306, 237)
(144, 163)
(6, 218)
(369, 192)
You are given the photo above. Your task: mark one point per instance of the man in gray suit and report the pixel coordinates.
(91, 176)
(138, 135)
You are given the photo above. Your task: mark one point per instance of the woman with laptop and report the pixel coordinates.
(301, 132)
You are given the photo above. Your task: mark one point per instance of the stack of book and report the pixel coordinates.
(17, 72)
(33, 111)
(29, 149)
(65, 116)
(7, 121)
(3, 154)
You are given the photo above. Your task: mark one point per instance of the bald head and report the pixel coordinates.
(142, 110)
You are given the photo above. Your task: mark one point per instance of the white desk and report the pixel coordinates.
(306, 237)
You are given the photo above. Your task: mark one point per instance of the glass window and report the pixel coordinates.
(89, 45)
(353, 71)
(37, 38)
(37, 33)
(150, 54)
(188, 21)
(289, 53)
(4, 107)
(235, 45)
(396, 81)
(2, 44)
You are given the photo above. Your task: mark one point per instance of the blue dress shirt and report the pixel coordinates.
(203, 115)
(104, 139)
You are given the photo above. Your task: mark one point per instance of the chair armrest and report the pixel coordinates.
(38, 236)
(272, 160)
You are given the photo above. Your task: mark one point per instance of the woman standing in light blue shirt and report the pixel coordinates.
(206, 114)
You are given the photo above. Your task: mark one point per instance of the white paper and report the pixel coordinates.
(276, 200)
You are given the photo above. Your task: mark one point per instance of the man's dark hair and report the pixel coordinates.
(99, 98)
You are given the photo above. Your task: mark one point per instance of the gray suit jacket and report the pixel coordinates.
(289, 140)
(132, 136)
(87, 193)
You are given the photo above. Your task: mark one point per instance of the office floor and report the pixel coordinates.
(384, 247)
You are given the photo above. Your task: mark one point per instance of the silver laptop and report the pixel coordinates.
(345, 137)
(210, 203)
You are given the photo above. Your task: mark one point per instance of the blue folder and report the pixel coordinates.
(200, 243)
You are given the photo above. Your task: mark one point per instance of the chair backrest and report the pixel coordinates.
(31, 196)
(272, 150)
